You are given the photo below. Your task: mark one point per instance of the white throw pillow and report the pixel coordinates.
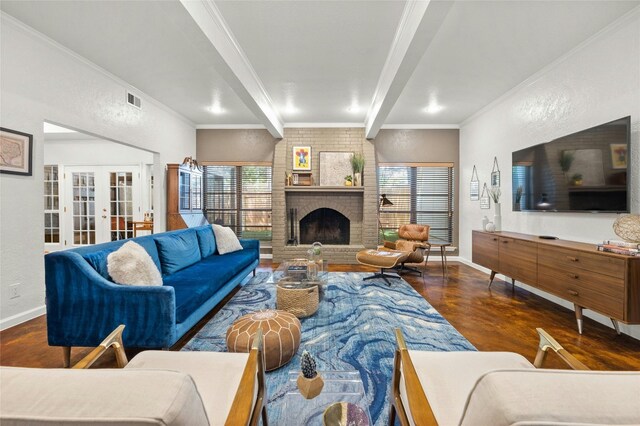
(226, 239)
(132, 265)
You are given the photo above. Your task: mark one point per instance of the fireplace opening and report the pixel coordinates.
(325, 225)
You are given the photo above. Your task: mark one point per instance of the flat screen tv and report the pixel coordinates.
(586, 171)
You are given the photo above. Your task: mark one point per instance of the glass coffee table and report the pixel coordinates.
(339, 386)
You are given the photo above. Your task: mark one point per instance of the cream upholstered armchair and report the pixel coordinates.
(503, 388)
(155, 387)
(413, 238)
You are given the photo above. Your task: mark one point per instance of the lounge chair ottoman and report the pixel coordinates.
(383, 259)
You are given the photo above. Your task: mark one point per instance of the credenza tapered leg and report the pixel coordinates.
(513, 284)
(616, 325)
(578, 310)
(493, 275)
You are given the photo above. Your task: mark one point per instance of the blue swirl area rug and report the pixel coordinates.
(353, 329)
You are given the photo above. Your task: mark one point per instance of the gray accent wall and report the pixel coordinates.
(423, 146)
(234, 145)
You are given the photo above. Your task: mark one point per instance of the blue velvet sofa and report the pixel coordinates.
(84, 305)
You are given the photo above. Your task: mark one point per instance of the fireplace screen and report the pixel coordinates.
(327, 226)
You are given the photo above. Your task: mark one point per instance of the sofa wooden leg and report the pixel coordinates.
(66, 356)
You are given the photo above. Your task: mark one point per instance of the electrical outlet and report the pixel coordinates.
(14, 291)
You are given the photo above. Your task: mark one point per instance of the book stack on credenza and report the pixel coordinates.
(620, 247)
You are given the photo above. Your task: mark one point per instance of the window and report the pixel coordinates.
(239, 197)
(51, 204)
(420, 194)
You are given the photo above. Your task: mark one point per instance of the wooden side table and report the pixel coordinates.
(141, 226)
(442, 244)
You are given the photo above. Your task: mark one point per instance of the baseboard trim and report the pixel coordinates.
(22, 317)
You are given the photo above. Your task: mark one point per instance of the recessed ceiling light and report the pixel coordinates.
(353, 108)
(290, 109)
(433, 108)
(216, 109)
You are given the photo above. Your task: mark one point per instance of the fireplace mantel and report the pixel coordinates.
(324, 189)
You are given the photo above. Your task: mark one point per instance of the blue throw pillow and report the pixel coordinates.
(177, 251)
(207, 241)
(98, 260)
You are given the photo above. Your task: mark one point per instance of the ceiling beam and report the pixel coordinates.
(418, 27)
(236, 69)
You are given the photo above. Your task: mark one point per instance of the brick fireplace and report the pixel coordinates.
(358, 205)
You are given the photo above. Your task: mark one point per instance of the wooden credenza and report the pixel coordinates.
(607, 283)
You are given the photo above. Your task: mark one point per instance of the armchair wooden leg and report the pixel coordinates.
(547, 342)
(66, 356)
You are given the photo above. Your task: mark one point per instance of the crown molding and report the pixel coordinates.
(614, 26)
(418, 26)
(235, 69)
(419, 126)
(322, 125)
(229, 126)
(8, 19)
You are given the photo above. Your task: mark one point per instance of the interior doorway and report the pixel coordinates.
(95, 189)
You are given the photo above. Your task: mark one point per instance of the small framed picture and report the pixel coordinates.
(474, 188)
(485, 199)
(619, 155)
(302, 158)
(15, 152)
(495, 173)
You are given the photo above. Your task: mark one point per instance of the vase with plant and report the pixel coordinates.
(357, 165)
(348, 180)
(495, 193)
(309, 382)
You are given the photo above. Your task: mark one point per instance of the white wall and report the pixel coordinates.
(596, 83)
(42, 81)
(94, 152)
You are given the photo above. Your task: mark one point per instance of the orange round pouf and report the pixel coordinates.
(281, 335)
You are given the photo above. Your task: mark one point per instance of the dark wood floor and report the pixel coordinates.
(496, 320)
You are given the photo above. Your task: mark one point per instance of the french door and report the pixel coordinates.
(101, 202)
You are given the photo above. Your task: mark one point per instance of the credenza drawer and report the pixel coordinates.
(598, 292)
(575, 259)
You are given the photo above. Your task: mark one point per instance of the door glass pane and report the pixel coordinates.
(84, 202)
(121, 205)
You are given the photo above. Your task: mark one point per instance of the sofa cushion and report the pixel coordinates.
(558, 397)
(196, 284)
(226, 239)
(103, 396)
(132, 265)
(207, 240)
(208, 369)
(448, 378)
(98, 260)
(178, 250)
(96, 255)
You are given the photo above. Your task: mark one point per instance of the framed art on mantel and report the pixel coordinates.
(15, 152)
(302, 158)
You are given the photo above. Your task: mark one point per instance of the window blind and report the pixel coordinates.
(420, 194)
(239, 197)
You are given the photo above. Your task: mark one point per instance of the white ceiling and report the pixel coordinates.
(483, 49)
(315, 59)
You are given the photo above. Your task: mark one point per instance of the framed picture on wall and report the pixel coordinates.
(15, 152)
(302, 158)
